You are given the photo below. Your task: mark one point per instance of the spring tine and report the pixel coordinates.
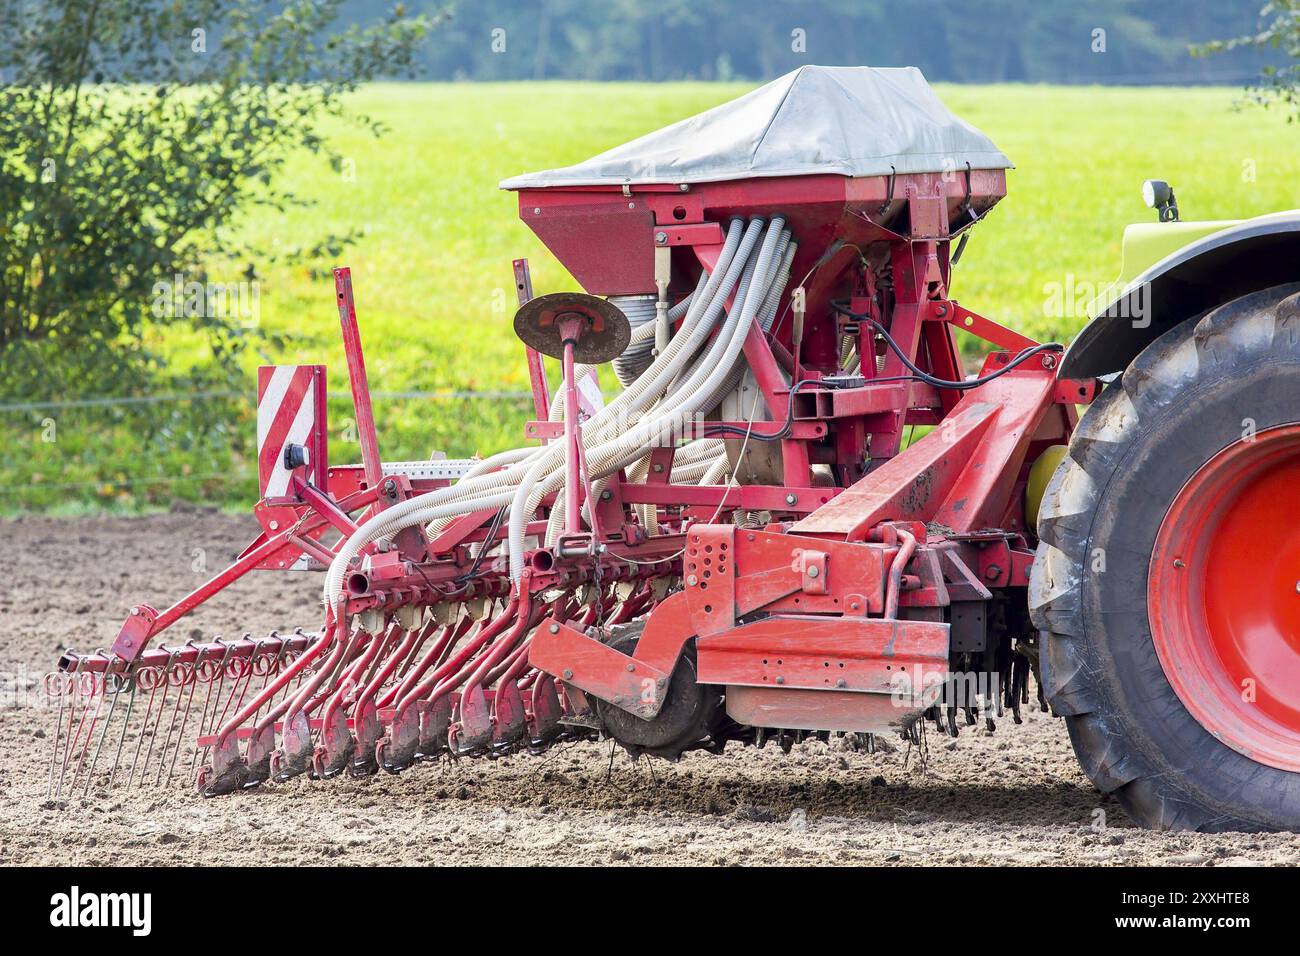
(61, 681)
(74, 739)
(189, 704)
(126, 722)
(184, 677)
(220, 679)
(203, 720)
(165, 679)
(272, 670)
(251, 673)
(244, 677)
(206, 720)
(112, 707)
(68, 744)
(274, 666)
(152, 689)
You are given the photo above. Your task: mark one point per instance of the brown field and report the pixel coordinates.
(1016, 797)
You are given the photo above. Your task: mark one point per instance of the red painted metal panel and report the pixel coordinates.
(833, 710)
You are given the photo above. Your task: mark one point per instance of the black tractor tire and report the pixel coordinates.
(1180, 402)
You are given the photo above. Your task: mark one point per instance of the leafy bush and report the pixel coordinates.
(131, 136)
(1279, 30)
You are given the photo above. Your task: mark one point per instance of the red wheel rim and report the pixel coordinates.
(1224, 596)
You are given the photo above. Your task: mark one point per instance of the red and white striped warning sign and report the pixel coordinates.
(290, 409)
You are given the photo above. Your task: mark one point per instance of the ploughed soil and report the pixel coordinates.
(1014, 797)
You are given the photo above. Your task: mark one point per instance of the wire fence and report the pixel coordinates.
(106, 401)
(146, 450)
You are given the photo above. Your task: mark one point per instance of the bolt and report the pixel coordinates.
(692, 580)
(1178, 563)
(791, 499)
(537, 210)
(631, 205)
(661, 238)
(780, 679)
(568, 674)
(855, 606)
(554, 629)
(814, 571)
(682, 187)
(606, 495)
(993, 573)
(657, 468)
(940, 310)
(631, 668)
(1049, 361)
(1297, 587)
(841, 683)
(273, 525)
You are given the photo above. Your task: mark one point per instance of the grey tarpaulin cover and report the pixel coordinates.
(850, 120)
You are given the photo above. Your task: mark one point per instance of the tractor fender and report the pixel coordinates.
(1243, 258)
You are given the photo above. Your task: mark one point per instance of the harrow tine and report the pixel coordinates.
(273, 666)
(97, 698)
(129, 680)
(62, 683)
(241, 676)
(112, 707)
(163, 679)
(77, 694)
(183, 674)
(166, 680)
(211, 696)
(189, 705)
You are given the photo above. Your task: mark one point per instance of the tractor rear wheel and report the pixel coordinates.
(1167, 580)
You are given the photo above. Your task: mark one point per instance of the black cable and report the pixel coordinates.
(777, 435)
(493, 528)
(923, 376)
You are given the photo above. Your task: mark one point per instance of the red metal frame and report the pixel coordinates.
(807, 624)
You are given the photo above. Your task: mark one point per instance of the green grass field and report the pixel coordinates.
(434, 286)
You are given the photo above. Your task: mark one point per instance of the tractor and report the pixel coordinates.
(799, 514)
